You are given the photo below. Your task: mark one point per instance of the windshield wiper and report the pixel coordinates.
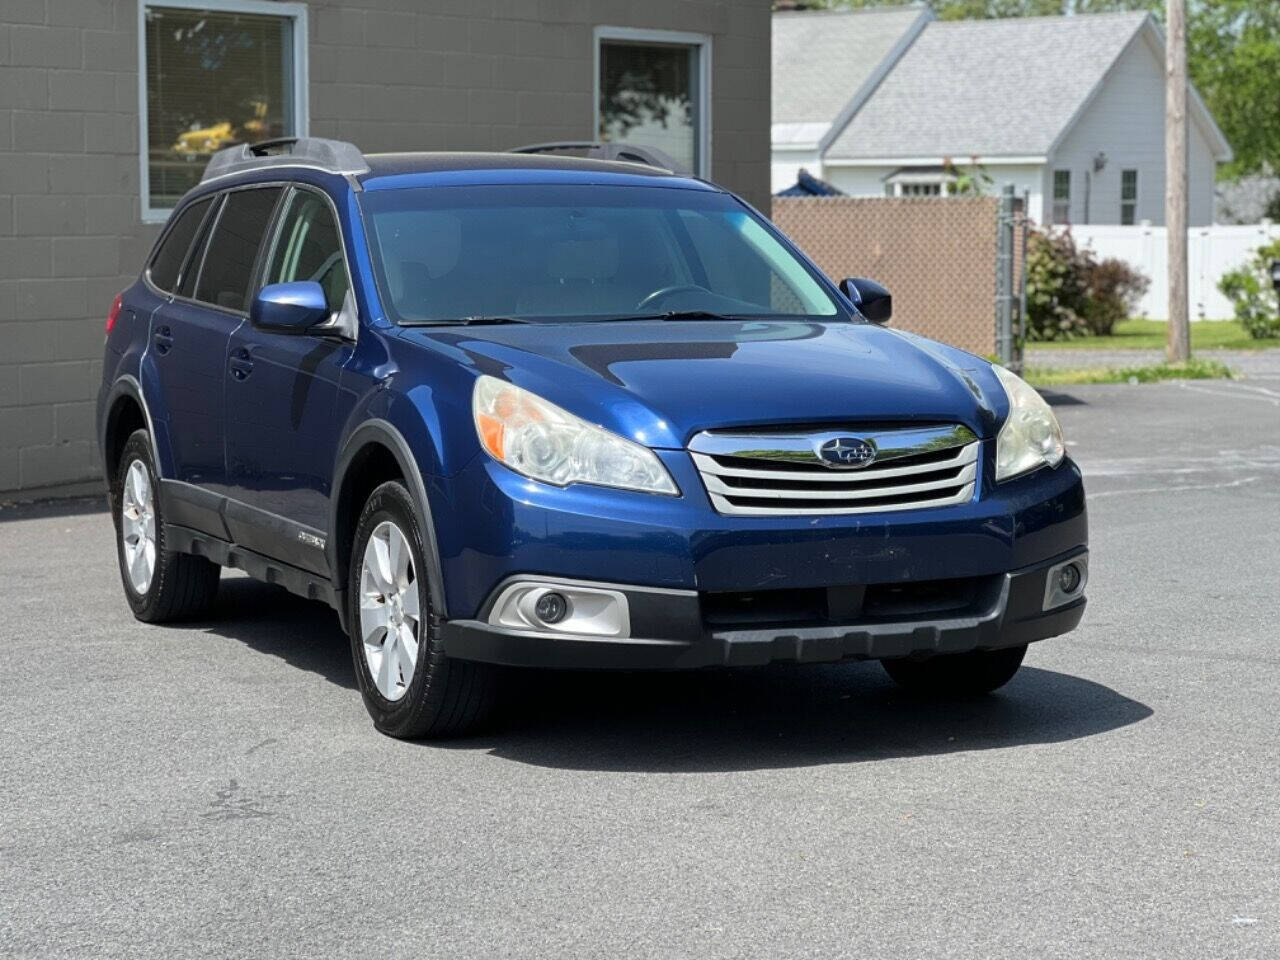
(478, 320)
(681, 315)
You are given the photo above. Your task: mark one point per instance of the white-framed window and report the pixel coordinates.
(1128, 197)
(1062, 196)
(920, 182)
(653, 88)
(212, 73)
(920, 189)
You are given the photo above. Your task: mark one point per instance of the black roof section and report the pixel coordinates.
(807, 185)
(600, 150)
(338, 156)
(391, 164)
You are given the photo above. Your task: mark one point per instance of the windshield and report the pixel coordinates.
(581, 253)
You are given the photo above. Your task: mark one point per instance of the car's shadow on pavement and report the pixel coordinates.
(710, 720)
(302, 633)
(781, 716)
(1056, 398)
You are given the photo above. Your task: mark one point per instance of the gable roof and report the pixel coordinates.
(988, 87)
(826, 63)
(998, 88)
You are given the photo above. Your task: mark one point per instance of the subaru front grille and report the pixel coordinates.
(770, 473)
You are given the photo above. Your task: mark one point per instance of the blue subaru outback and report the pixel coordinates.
(537, 410)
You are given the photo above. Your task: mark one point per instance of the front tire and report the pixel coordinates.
(410, 688)
(160, 585)
(957, 674)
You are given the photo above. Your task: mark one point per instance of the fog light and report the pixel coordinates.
(551, 608)
(1069, 578)
(563, 606)
(1065, 582)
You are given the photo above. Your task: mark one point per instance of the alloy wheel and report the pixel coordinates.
(390, 617)
(138, 527)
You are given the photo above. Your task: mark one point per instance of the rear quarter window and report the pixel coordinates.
(173, 249)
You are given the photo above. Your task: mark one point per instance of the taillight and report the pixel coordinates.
(114, 312)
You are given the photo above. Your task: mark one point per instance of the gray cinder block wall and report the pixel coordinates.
(386, 74)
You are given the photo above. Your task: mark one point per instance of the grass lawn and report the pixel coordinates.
(1150, 334)
(1195, 369)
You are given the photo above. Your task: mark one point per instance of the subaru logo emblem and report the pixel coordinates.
(846, 452)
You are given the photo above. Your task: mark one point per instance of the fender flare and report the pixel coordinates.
(384, 433)
(127, 385)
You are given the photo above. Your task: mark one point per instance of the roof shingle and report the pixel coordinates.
(821, 59)
(987, 87)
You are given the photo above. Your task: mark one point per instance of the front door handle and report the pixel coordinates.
(241, 363)
(164, 340)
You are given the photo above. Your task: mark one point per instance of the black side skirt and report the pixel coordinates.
(294, 579)
(264, 545)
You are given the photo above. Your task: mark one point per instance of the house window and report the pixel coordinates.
(1128, 197)
(216, 73)
(653, 90)
(921, 182)
(1062, 196)
(920, 189)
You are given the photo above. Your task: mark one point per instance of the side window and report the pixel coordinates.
(192, 272)
(310, 248)
(233, 248)
(168, 260)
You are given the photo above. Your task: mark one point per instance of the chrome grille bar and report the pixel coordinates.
(781, 473)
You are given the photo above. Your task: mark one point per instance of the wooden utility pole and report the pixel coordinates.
(1178, 344)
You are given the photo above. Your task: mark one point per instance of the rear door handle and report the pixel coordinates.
(164, 339)
(241, 363)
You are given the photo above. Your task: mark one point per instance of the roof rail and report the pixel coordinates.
(336, 156)
(599, 150)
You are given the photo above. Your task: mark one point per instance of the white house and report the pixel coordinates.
(1068, 109)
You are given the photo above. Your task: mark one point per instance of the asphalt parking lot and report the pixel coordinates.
(216, 790)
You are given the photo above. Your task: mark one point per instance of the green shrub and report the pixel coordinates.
(1114, 291)
(1251, 294)
(1056, 294)
(1070, 293)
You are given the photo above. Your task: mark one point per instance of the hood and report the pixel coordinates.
(661, 382)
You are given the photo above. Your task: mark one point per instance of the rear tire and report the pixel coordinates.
(410, 688)
(957, 674)
(161, 585)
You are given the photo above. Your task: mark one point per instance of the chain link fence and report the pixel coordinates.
(938, 256)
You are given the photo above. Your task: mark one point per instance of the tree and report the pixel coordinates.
(1234, 63)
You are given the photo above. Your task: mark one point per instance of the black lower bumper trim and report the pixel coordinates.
(1012, 619)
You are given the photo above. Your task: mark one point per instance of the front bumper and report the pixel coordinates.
(492, 524)
(670, 629)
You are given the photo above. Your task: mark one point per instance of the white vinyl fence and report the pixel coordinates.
(1212, 251)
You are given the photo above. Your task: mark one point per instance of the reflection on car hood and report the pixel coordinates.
(661, 382)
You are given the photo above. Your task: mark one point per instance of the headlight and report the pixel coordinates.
(1030, 437)
(539, 440)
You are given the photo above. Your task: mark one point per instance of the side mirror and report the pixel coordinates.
(1275, 274)
(872, 300)
(289, 307)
